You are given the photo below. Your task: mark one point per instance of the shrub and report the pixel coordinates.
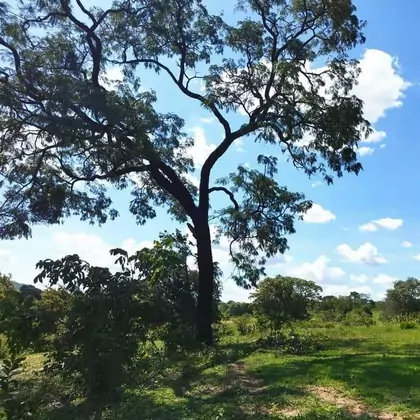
(407, 325)
(244, 324)
(359, 317)
(293, 343)
(4, 350)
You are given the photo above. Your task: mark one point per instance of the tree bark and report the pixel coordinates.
(204, 314)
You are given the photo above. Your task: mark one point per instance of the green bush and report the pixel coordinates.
(291, 342)
(359, 317)
(244, 324)
(407, 325)
(4, 350)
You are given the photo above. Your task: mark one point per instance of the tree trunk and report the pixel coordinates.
(205, 311)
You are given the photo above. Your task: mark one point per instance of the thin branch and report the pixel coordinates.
(229, 193)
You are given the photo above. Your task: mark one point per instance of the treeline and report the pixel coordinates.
(280, 301)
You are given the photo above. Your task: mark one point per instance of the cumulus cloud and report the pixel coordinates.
(385, 223)
(378, 279)
(91, 247)
(384, 279)
(112, 77)
(343, 290)
(318, 271)
(368, 227)
(379, 85)
(375, 137)
(406, 244)
(317, 214)
(366, 253)
(417, 257)
(202, 148)
(365, 151)
(361, 278)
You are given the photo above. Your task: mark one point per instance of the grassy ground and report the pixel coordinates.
(363, 373)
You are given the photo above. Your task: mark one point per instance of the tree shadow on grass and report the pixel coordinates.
(381, 379)
(361, 345)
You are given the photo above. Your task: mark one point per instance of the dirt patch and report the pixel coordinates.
(353, 406)
(238, 378)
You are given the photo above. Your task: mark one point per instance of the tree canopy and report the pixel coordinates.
(280, 300)
(68, 132)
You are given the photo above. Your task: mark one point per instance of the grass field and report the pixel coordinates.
(363, 373)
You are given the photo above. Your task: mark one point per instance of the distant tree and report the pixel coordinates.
(63, 123)
(334, 308)
(30, 291)
(231, 308)
(403, 300)
(281, 300)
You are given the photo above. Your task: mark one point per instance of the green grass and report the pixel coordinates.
(363, 373)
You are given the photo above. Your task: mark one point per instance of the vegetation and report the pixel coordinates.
(109, 344)
(149, 337)
(68, 131)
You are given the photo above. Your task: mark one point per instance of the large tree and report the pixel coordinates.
(68, 133)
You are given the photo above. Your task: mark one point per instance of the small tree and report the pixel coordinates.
(280, 300)
(63, 123)
(403, 300)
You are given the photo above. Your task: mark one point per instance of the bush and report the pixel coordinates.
(4, 350)
(359, 317)
(244, 324)
(293, 343)
(407, 325)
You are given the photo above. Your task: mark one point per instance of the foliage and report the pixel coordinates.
(407, 325)
(403, 300)
(29, 316)
(244, 324)
(359, 316)
(107, 330)
(281, 300)
(15, 404)
(292, 342)
(346, 308)
(232, 309)
(68, 131)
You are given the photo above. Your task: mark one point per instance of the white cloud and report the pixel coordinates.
(368, 227)
(317, 214)
(202, 148)
(380, 86)
(7, 257)
(384, 279)
(389, 223)
(90, 247)
(318, 271)
(112, 77)
(406, 244)
(207, 120)
(365, 151)
(382, 146)
(385, 223)
(361, 278)
(316, 184)
(417, 257)
(378, 279)
(343, 290)
(231, 291)
(366, 253)
(375, 137)
(239, 145)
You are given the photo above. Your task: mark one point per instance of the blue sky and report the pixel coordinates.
(362, 233)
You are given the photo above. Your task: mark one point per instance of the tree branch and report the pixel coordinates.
(229, 193)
